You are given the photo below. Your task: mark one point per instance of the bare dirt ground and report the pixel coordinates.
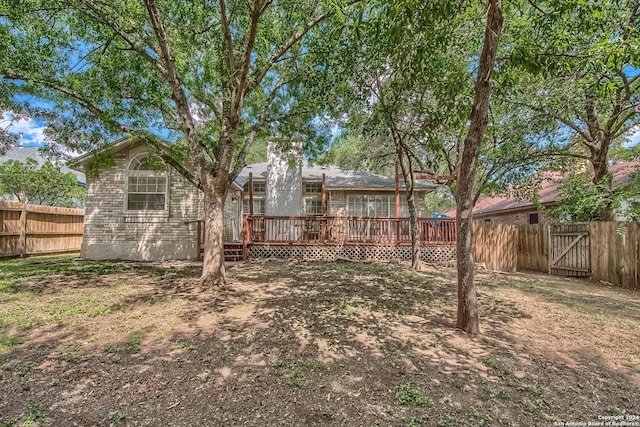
(294, 343)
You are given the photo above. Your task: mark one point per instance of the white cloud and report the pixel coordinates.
(32, 131)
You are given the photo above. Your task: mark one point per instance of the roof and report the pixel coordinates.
(547, 194)
(21, 154)
(336, 178)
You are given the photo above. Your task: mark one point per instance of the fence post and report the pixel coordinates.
(22, 244)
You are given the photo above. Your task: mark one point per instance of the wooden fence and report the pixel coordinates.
(613, 254)
(495, 246)
(34, 230)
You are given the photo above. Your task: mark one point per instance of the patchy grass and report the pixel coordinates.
(296, 343)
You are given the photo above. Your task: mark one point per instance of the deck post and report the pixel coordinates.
(199, 240)
(245, 236)
(397, 182)
(323, 226)
(251, 193)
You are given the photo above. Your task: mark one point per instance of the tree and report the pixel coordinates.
(580, 200)
(410, 77)
(415, 111)
(212, 76)
(44, 185)
(439, 201)
(467, 319)
(586, 56)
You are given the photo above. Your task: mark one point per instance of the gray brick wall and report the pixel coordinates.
(521, 217)
(112, 233)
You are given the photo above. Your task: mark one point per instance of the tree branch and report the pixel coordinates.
(185, 119)
(241, 84)
(585, 137)
(292, 40)
(255, 128)
(227, 38)
(170, 160)
(135, 46)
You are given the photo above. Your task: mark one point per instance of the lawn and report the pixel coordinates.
(294, 343)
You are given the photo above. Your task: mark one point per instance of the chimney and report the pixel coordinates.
(284, 178)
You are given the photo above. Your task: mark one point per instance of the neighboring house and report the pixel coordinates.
(137, 212)
(509, 210)
(21, 154)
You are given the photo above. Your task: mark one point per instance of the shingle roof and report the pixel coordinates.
(21, 154)
(547, 194)
(335, 178)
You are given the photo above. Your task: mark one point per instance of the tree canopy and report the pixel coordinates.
(207, 77)
(39, 185)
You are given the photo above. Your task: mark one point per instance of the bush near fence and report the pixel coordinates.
(36, 230)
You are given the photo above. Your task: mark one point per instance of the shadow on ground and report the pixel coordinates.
(311, 343)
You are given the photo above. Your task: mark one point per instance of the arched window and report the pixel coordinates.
(146, 185)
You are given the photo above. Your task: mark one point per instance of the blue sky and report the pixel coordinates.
(33, 131)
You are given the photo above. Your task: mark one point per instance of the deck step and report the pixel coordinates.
(233, 252)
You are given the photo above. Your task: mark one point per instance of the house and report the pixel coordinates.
(140, 212)
(21, 153)
(510, 210)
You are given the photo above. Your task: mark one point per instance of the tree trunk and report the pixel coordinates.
(415, 232)
(603, 180)
(467, 304)
(413, 220)
(213, 271)
(407, 174)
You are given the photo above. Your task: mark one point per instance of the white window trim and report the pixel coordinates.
(145, 173)
(308, 199)
(391, 204)
(312, 193)
(255, 198)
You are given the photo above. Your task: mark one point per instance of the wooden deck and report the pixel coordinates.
(328, 231)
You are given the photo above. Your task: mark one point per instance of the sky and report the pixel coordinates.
(33, 131)
(635, 138)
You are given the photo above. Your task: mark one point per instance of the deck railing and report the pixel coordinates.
(327, 230)
(324, 230)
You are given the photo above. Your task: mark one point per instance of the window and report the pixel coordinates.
(146, 185)
(258, 206)
(313, 187)
(259, 190)
(259, 187)
(376, 205)
(487, 220)
(534, 218)
(313, 207)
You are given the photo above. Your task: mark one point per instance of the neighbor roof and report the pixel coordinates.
(336, 178)
(547, 194)
(21, 154)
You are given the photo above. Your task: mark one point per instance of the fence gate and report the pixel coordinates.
(569, 250)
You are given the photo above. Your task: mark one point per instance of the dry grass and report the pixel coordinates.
(308, 343)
